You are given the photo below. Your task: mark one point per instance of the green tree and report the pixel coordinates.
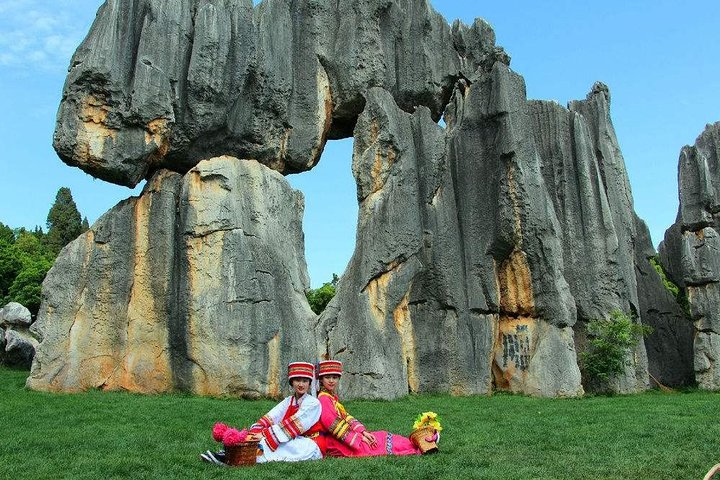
(610, 344)
(320, 297)
(63, 221)
(10, 266)
(27, 285)
(6, 233)
(30, 261)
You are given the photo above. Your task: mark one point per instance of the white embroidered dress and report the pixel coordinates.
(282, 439)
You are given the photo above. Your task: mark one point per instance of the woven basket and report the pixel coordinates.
(420, 439)
(244, 453)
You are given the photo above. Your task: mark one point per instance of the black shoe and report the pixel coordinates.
(214, 458)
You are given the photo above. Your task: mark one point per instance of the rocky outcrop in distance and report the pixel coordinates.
(690, 251)
(483, 246)
(17, 345)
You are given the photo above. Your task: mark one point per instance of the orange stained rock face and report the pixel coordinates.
(403, 325)
(278, 164)
(146, 364)
(325, 109)
(273, 373)
(377, 294)
(156, 132)
(202, 276)
(93, 132)
(513, 350)
(515, 285)
(381, 166)
(374, 132)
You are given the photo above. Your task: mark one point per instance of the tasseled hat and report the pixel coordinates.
(329, 367)
(301, 370)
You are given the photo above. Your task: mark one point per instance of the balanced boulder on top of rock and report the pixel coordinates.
(165, 84)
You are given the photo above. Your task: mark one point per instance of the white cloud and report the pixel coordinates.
(42, 35)
(7, 58)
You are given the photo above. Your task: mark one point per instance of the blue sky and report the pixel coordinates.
(659, 58)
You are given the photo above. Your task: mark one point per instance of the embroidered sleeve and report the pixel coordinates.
(355, 425)
(333, 422)
(307, 415)
(271, 418)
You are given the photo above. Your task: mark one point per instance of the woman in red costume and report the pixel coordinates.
(345, 436)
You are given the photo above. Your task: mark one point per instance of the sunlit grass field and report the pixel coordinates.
(97, 435)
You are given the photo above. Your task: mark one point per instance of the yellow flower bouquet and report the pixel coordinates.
(427, 419)
(426, 432)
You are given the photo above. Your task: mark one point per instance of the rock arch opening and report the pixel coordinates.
(331, 211)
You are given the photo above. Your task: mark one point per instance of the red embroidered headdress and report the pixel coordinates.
(330, 367)
(301, 370)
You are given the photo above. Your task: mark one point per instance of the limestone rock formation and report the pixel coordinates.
(496, 232)
(17, 345)
(15, 314)
(482, 250)
(19, 348)
(586, 178)
(196, 285)
(165, 84)
(690, 249)
(441, 285)
(670, 345)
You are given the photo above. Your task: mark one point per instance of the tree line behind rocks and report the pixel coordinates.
(26, 256)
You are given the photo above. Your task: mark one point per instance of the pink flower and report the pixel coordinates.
(233, 437)
(218, 431)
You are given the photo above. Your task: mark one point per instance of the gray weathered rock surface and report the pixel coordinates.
(160, 84)
(586, 177)
(15, 314)
(483, 248)
(197, 285)
(450, 279)
(19, 349)
(670, 345)
(691, 249)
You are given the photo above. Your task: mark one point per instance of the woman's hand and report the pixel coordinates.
(369, 438)
(253, 437)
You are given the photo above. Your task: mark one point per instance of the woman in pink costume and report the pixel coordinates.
(343, 435)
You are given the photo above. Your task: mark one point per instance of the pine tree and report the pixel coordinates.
(6, 233)
(85, 225)
(63, 221)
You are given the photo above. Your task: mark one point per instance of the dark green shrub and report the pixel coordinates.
(669, 285)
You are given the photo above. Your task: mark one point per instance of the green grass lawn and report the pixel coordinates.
(118, 435)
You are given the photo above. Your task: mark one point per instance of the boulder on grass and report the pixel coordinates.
(19, 349)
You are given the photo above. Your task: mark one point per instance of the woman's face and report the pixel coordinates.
(330, 382)
(300, 386)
